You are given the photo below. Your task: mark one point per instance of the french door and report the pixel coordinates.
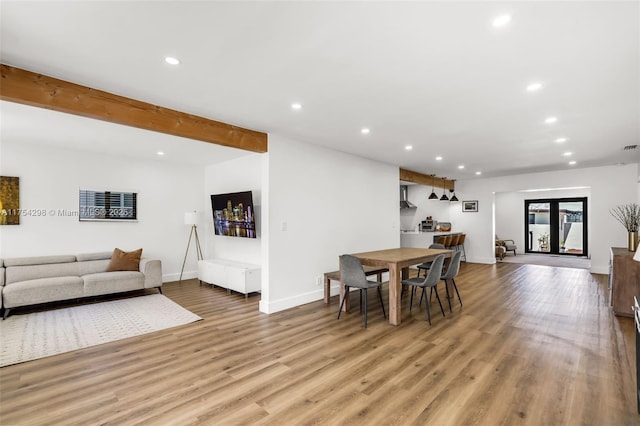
(556, 226)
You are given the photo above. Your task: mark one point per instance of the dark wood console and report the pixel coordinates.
(624, 281)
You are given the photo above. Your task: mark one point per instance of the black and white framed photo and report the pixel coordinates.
(470, 206)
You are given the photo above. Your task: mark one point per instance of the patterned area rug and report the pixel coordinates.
(41, 334)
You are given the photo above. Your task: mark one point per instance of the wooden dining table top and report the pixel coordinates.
(402, 256)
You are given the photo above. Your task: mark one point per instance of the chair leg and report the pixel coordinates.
(438, 298)
(384, 314)
(365, 307)
(413, 290)
(455, 287)
(424, 289)
(346, 294)
(446, 288)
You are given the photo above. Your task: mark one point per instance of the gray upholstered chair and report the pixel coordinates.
(426, 265)
(430, 281)
(450, 274)
(352, 276)
(509, 245)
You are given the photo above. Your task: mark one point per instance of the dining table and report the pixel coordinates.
(397, 261)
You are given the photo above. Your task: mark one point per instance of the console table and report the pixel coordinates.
(230, 274)
(624, 281)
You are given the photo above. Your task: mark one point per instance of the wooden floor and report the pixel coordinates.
(533, 345)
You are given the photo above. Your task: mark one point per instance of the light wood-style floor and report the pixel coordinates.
(533, 345)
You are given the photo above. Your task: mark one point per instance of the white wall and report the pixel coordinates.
(610, 186)
(510, 212)
(321, 204)
(242, 174)
(50, 179)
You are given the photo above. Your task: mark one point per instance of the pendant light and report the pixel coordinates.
(433, 195)
(444, 195)
(453, 198)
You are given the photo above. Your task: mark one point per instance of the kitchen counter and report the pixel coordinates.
(421, 239)
(436, 233)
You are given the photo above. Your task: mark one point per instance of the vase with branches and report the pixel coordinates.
(629, 216)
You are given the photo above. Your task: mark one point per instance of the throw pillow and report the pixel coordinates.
(125, 261)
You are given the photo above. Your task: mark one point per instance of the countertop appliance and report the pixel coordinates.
(429, 225)
(443, 226)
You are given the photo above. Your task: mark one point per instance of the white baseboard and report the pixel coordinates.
(290, 302)
(187, 275)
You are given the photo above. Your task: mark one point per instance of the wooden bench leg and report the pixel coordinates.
(327, 289)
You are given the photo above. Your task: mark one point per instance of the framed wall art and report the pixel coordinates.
(9, 200)
(470, 206)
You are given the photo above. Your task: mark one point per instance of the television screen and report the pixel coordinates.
(233, 214)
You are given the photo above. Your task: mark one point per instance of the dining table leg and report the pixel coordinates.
(395, 284)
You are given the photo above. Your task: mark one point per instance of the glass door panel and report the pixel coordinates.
(539, 227)
(571, 231)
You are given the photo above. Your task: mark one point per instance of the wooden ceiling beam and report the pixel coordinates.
(427, 180)
(26, 87)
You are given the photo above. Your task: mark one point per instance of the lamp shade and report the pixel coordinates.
(191, 218)
(636, 256)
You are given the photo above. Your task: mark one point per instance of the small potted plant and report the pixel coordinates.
(629, 216)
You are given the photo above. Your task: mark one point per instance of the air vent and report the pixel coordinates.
(630, 147)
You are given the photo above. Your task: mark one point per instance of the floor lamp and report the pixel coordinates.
(191, 218)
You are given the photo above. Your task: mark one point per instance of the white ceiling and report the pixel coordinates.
(435, 75)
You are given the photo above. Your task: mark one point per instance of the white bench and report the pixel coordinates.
(230, 274)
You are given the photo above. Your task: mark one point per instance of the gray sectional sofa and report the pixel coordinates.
(32, 280)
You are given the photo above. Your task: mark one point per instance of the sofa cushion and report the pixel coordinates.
(83, 257)
(125, 261)
(42, 290)
(38, 260)
(15, 274)
(93, 266)
(112, 282)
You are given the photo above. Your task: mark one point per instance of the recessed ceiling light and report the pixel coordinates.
(571, 163)
(561, 140)
(567, 154)
(478, 173)
(171, 60)
(533, 87)
(461, 166)
(408, 147)
(296, 105)
(501, 20)
(439, 158)
(365, 131)
(160, 153)
(551, 120)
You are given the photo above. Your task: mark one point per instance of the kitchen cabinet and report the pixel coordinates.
(624, 281)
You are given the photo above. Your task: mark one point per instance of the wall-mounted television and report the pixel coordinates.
(233, 214)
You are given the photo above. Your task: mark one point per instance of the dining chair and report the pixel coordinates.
(426, 265)
(352, 276)
(461, 245)
(430, 281)
(450, 274)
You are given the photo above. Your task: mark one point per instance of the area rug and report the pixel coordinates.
(41, 334)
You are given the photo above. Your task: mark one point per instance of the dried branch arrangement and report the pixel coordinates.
(628, 215)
